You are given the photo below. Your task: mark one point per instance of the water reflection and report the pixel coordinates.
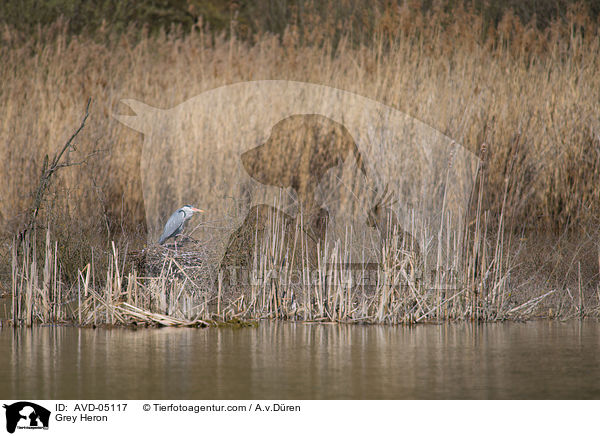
(304, 361)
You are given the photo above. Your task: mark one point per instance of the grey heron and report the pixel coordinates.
(176, 222)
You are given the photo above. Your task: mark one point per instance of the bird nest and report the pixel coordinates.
(186, 258)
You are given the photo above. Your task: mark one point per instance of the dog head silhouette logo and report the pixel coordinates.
(286, 149)
(25, 414)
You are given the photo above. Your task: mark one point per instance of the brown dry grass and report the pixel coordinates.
(532, 96)
(542, 86)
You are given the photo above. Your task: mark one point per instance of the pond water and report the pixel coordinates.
(534, 360)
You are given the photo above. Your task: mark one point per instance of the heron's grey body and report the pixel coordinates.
(176, 222)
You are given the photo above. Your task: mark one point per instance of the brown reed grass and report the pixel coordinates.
(472, 284)
(474, 87)
(530, 95)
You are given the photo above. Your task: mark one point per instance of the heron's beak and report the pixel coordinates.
(197, 210)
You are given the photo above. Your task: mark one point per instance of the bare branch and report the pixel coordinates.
(49, 169)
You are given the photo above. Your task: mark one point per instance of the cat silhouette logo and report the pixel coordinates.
(26, 415)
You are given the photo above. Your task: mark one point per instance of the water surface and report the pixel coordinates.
(304, 361)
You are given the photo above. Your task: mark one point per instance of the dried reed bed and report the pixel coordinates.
(116, 297)
(474, 84)
(530, 95)
(182, 287)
